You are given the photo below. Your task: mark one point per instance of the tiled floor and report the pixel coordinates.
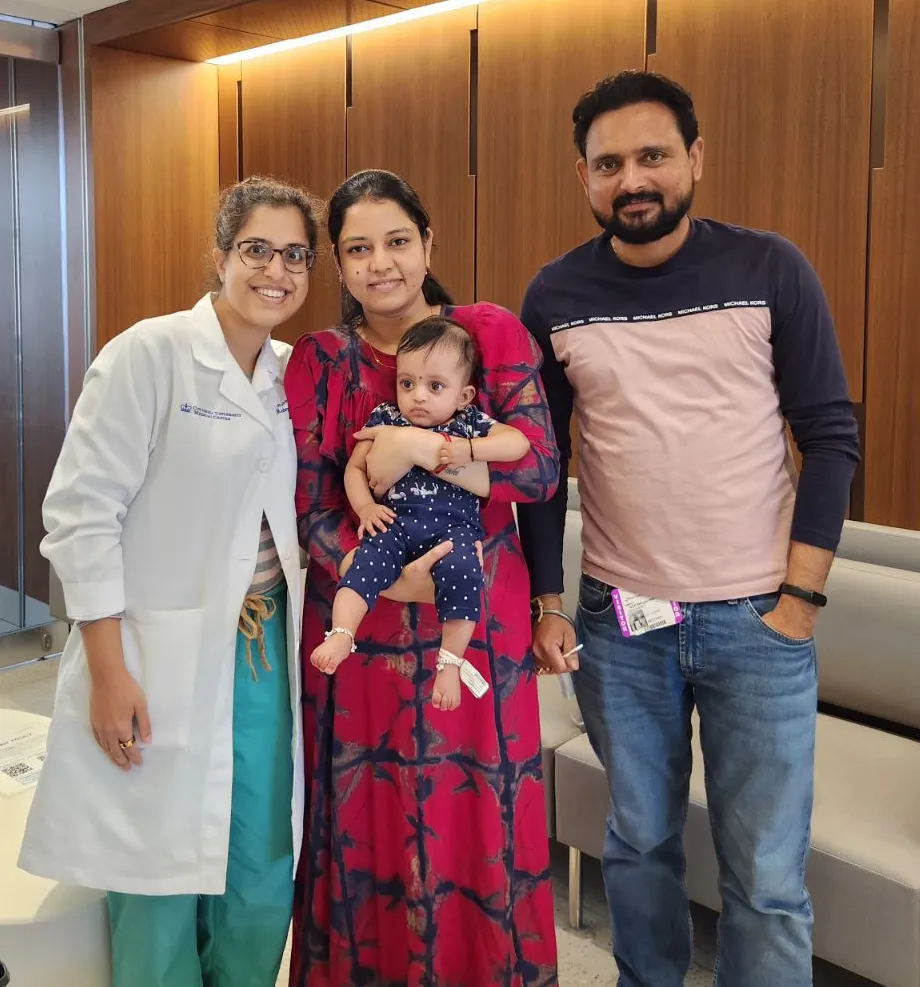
(29, 687)
(584, 956)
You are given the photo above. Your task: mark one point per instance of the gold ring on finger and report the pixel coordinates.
(126, 745)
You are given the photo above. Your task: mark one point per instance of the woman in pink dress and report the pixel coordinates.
(425, 859)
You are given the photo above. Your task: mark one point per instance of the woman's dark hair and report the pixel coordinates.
(627, 89)
(238, 202)
(380, 186)
(439, 331)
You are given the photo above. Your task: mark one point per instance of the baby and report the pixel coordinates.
(436, 365)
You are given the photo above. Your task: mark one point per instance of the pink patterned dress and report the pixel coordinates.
(425, 860)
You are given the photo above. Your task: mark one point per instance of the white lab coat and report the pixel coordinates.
(155, 508)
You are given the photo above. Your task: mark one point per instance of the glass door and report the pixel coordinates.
(33, 389)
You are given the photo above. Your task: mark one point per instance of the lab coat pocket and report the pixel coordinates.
(162, 649)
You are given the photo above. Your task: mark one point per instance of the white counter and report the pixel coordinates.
(50, 934)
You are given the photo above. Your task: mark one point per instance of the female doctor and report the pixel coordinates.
(173, 777)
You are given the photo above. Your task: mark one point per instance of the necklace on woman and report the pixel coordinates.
(362, 330)
(362, 334)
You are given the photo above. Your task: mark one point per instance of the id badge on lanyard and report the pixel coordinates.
(640, 614)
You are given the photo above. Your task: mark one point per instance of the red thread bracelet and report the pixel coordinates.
(442, 466)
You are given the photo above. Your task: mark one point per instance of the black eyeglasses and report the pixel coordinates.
(258, 254)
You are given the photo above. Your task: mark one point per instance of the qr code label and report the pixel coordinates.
(22, 756)
(15, 770)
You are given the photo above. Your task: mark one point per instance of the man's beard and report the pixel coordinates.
(663, 225)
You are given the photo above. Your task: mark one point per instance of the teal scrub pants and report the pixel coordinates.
(235, 939)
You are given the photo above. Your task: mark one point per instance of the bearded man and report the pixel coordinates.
(684, 347)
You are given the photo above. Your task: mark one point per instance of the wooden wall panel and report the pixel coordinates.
(536, 58)
(531, 207)
(155, 158)
(893, 349)
(411, 115)
(782, 90)
(229, 100)
(294, 129)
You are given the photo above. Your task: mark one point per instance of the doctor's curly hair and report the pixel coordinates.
(238, 201)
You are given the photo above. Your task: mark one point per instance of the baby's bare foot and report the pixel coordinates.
(446, 694)
(331, 653)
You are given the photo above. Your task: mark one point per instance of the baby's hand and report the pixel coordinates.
(375, 518)
(456, 453)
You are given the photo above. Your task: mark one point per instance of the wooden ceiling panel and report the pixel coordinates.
(118, 25)
(296, 19)
(121, 20)
(249, 25)
(193, 41)
(281, 18)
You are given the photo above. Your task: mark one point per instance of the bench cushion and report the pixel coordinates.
(557, 725)
(880, 545)
(869, 641)
(864, 868)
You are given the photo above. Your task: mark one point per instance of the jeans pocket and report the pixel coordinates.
(595, 598)
(757, 613)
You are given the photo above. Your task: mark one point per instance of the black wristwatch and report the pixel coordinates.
(808, 595)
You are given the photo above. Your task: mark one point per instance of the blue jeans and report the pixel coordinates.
(756, 692)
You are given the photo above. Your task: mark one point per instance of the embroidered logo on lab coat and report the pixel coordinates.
(218, 416)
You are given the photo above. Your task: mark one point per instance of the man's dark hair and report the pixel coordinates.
(627, 89)
(437, 331)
